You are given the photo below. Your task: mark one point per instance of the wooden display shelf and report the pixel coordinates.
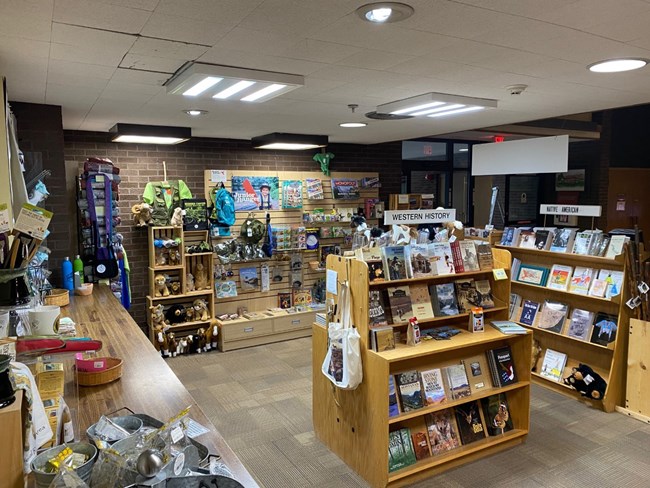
(581, 259)
(192, 254)
(451, 318)
(425, 279)
(591, 301)
(200, 293)
(569, 338)
(167, 268)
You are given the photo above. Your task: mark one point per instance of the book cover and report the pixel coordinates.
(553, 365)
(394, 260)
(533, 275)
(508, 234)
(527, 239)
(419, 258)
(400, 453)
(457, 257)
(478, 373)
(434, 387)
(470, 426)
(515, 305)
(581, 280)
(420, 440)
(541, 239)
(376, 271)
(496, 414)
(468, 252)
(466, 293)
(249, 280)
(445, 299)
(376, 310)
(615, 246)
(503, 365)
(292, 194)
(580, 324)
(604, 330)
(225, 289)
(196, 214)
(444, 262)
(409, 391)
(326, 251)
(442, 430)
(552, 316)
(345, 188)
(284, 300)
(315, 189)
(401, 308)
(370, 254)
(484, 294)
(614, 280)
(528, 312)
(457, 381)
(421, 301)
(393, 408)
(301, 297)
(485, 258)
(560, 277)
(582, 242)
(370, 205)
(382, 339)
(598, 288)
(509, 328)
(563, 240)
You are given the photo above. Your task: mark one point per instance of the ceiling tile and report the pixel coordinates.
(74, 70)
(230, 57)
(584, 14)
(14, 48)
(199, 31)
(167, 49)
(25, 89)
(151, 63)
(86, 45)
(254, 41)
(93, 13)
(624, 29)
(149, 5)
(320, 51)
(88, 54)
(137, 76)
(229, 12)
(29, 19)
(374, 59)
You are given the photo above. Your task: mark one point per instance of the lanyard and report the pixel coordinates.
(102, 253)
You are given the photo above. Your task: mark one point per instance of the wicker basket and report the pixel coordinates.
(111, 373)
(57, 296)
(84, 290)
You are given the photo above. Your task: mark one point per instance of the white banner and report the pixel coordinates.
(564, 209)
(414, 217)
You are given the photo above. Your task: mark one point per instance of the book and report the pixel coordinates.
(195, 216)
(434, 387)
(483, 294)
(581, 280)
(445, 299)
(301, 297)
(582, 242)
(315, 189)
(466, 293)
(496, 414)
(528, 312)
(249, 279)
(442, 430)
(509, 328)
(615, 246)
(560, 277)
(580, 324)
(444, 261)
(394, 259)
(225, 289)
(485, 258)
(292, 194)
(284, 300)
(371, 212)
(376, 310)
(553, 365)
(614, 281)
(478, 373)
(604, 330)
(420, 440)
(345, 188)
(409, 391)
(393, 407)
(421, 301)
(527, 239)
(502, 366)
(457, 381)
(533, 275)
(457, 257)
(382, 339)
(470, 258)
(598, 288)
(542, 239)
(326, 251)
(563, 240)
(419, 260)
(515, 305)
(552, 316)
(369, 254)
(508, 234)
(400, 450)
(401, 308)
(376, 271)
(470, 426)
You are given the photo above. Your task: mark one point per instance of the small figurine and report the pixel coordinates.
(141, 214)
(201, 311)
(160, 286)
(189, 282)
(200, 277)
(177, 217)
(172, 344)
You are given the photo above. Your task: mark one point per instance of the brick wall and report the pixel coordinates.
(140, 163)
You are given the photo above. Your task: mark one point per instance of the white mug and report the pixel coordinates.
(44, 319)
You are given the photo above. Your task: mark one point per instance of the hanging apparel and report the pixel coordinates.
(165, 197)
(104, 262)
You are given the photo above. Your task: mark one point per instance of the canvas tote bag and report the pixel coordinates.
(342, 364)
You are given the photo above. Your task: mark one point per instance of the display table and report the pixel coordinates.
(148, 385)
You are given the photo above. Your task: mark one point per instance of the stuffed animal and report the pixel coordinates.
(160, 339)
(161, 257)
(174, 257)
(141, 214)
(537, 350)
(585, 380)
(211, 334)
(189, 282)
(182, 346)
(175, 314)
(158, 316)
(200, 339)
(160, 286)
(201, 311)
(189, 314)
(175, 287)
(177, 217)
(172, 344)
(200, 277)
(192, 344)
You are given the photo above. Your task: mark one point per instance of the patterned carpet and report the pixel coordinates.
(260, 400)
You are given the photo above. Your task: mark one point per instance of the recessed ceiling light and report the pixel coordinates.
(617, 65)
(384, 12)
(195, 112)
(352, 124)
(435, 105)
(201, 86)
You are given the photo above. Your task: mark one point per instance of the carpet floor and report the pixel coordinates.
(260, 400)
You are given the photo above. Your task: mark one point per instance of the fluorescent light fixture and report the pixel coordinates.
(617, 65)
(463, 149)
(201, 86)
(280, 140)
(232, 89)
(199, 80)
(435, 105)
(350, 125)
(150, 134)
(195, 112)
(385, 12)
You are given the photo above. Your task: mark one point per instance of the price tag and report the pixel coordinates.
(33, 221)
(177, 434)
(499, 274)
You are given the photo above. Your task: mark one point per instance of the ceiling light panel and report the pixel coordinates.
(617, 65)
(198, 80)
(435, 105)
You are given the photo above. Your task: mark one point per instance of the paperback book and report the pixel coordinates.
(457, 381)
(315, 189)
(478, 373)
(483, 294)
(581, 280)
(560, 276)
(528, 312)
(614, 280)
(470, 426)
(533, 275)
(553, 365)
(292, 194)
(400, 450)
(508, 234)
(580, 324)
(444, 262)
(604, 330)
(509, 328)
(409, 390)
(542, 238)
(598, 288)
(420, 442)
(434, 388)
(419, 260)
(485, 258)
(527, 239)
(502, 366)
(457, 257)
(444, 299)
(421, 301)
(582, 242)
(382, 339)
(552, 316)
(443, 432)
(496, 414)
(515, 305)
(394, 259)
(376, 271)
(563, 240)
(615, 246)
(466, 293)
(376, 310)
(468, 252)
(401, 307)
(393, 408)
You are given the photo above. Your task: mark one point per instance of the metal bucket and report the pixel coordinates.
(44, 479)
(130, 423)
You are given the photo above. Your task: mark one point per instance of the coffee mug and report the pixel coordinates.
(44, 320)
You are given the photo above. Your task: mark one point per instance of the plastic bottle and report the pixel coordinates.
(66, 274)
(78, 266)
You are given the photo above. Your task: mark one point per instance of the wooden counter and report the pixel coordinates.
(147, 385)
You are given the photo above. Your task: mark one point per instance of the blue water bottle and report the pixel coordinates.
(67, 274)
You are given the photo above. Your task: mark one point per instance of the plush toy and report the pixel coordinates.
(158, 316)
(537, 350)
(175, 287)
(189, 314)
(200, 277)
(161, 257)
(189, 282)
(585, 380)
(160, 339)
(141, 214)
(177, 217)
(211, 336)
(172, 344)
(192, 344)
(174, 257)
(175, 314)
(160, 286)
(200, 339)
(201, 311)
(182, 346)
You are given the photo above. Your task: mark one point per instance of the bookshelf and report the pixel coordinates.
(608, 361)
(355, 424)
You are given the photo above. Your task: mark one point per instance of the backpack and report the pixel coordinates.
(223, 211)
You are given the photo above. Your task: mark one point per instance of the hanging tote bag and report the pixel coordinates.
(342, 364)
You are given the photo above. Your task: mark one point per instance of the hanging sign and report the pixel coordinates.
(578, 210)
(414, 217)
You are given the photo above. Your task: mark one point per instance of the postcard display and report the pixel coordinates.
(577, 336)
(364, 427)
(306, 231)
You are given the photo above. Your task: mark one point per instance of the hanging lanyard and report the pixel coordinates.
(102, 253)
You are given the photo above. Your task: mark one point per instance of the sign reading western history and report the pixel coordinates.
(578, 210)
(414, 217)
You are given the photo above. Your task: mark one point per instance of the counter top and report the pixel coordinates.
(148, 385)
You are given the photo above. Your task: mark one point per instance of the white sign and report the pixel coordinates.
(563, 209)
(414, 217)
(218, 176)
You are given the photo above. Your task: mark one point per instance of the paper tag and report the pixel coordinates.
(177, 434)
(98, 364)
(218, 175)
(33, 221)
(331, 282)
(4, 218)
(499, 274)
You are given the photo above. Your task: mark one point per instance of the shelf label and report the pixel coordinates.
(579, 210)
(413, 217)
(499, 274)
(218, 176)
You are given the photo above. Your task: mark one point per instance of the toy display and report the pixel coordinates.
(160, 286)
(200, 277)
(157, 316)
(585, 380)
(141, 214)
(201, 311)
(189, 282)
(175, 314)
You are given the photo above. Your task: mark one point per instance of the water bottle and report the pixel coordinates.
(66, 274)
(78, 267)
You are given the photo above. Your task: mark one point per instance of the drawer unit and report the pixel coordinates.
(293, 322)
(245, 329)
